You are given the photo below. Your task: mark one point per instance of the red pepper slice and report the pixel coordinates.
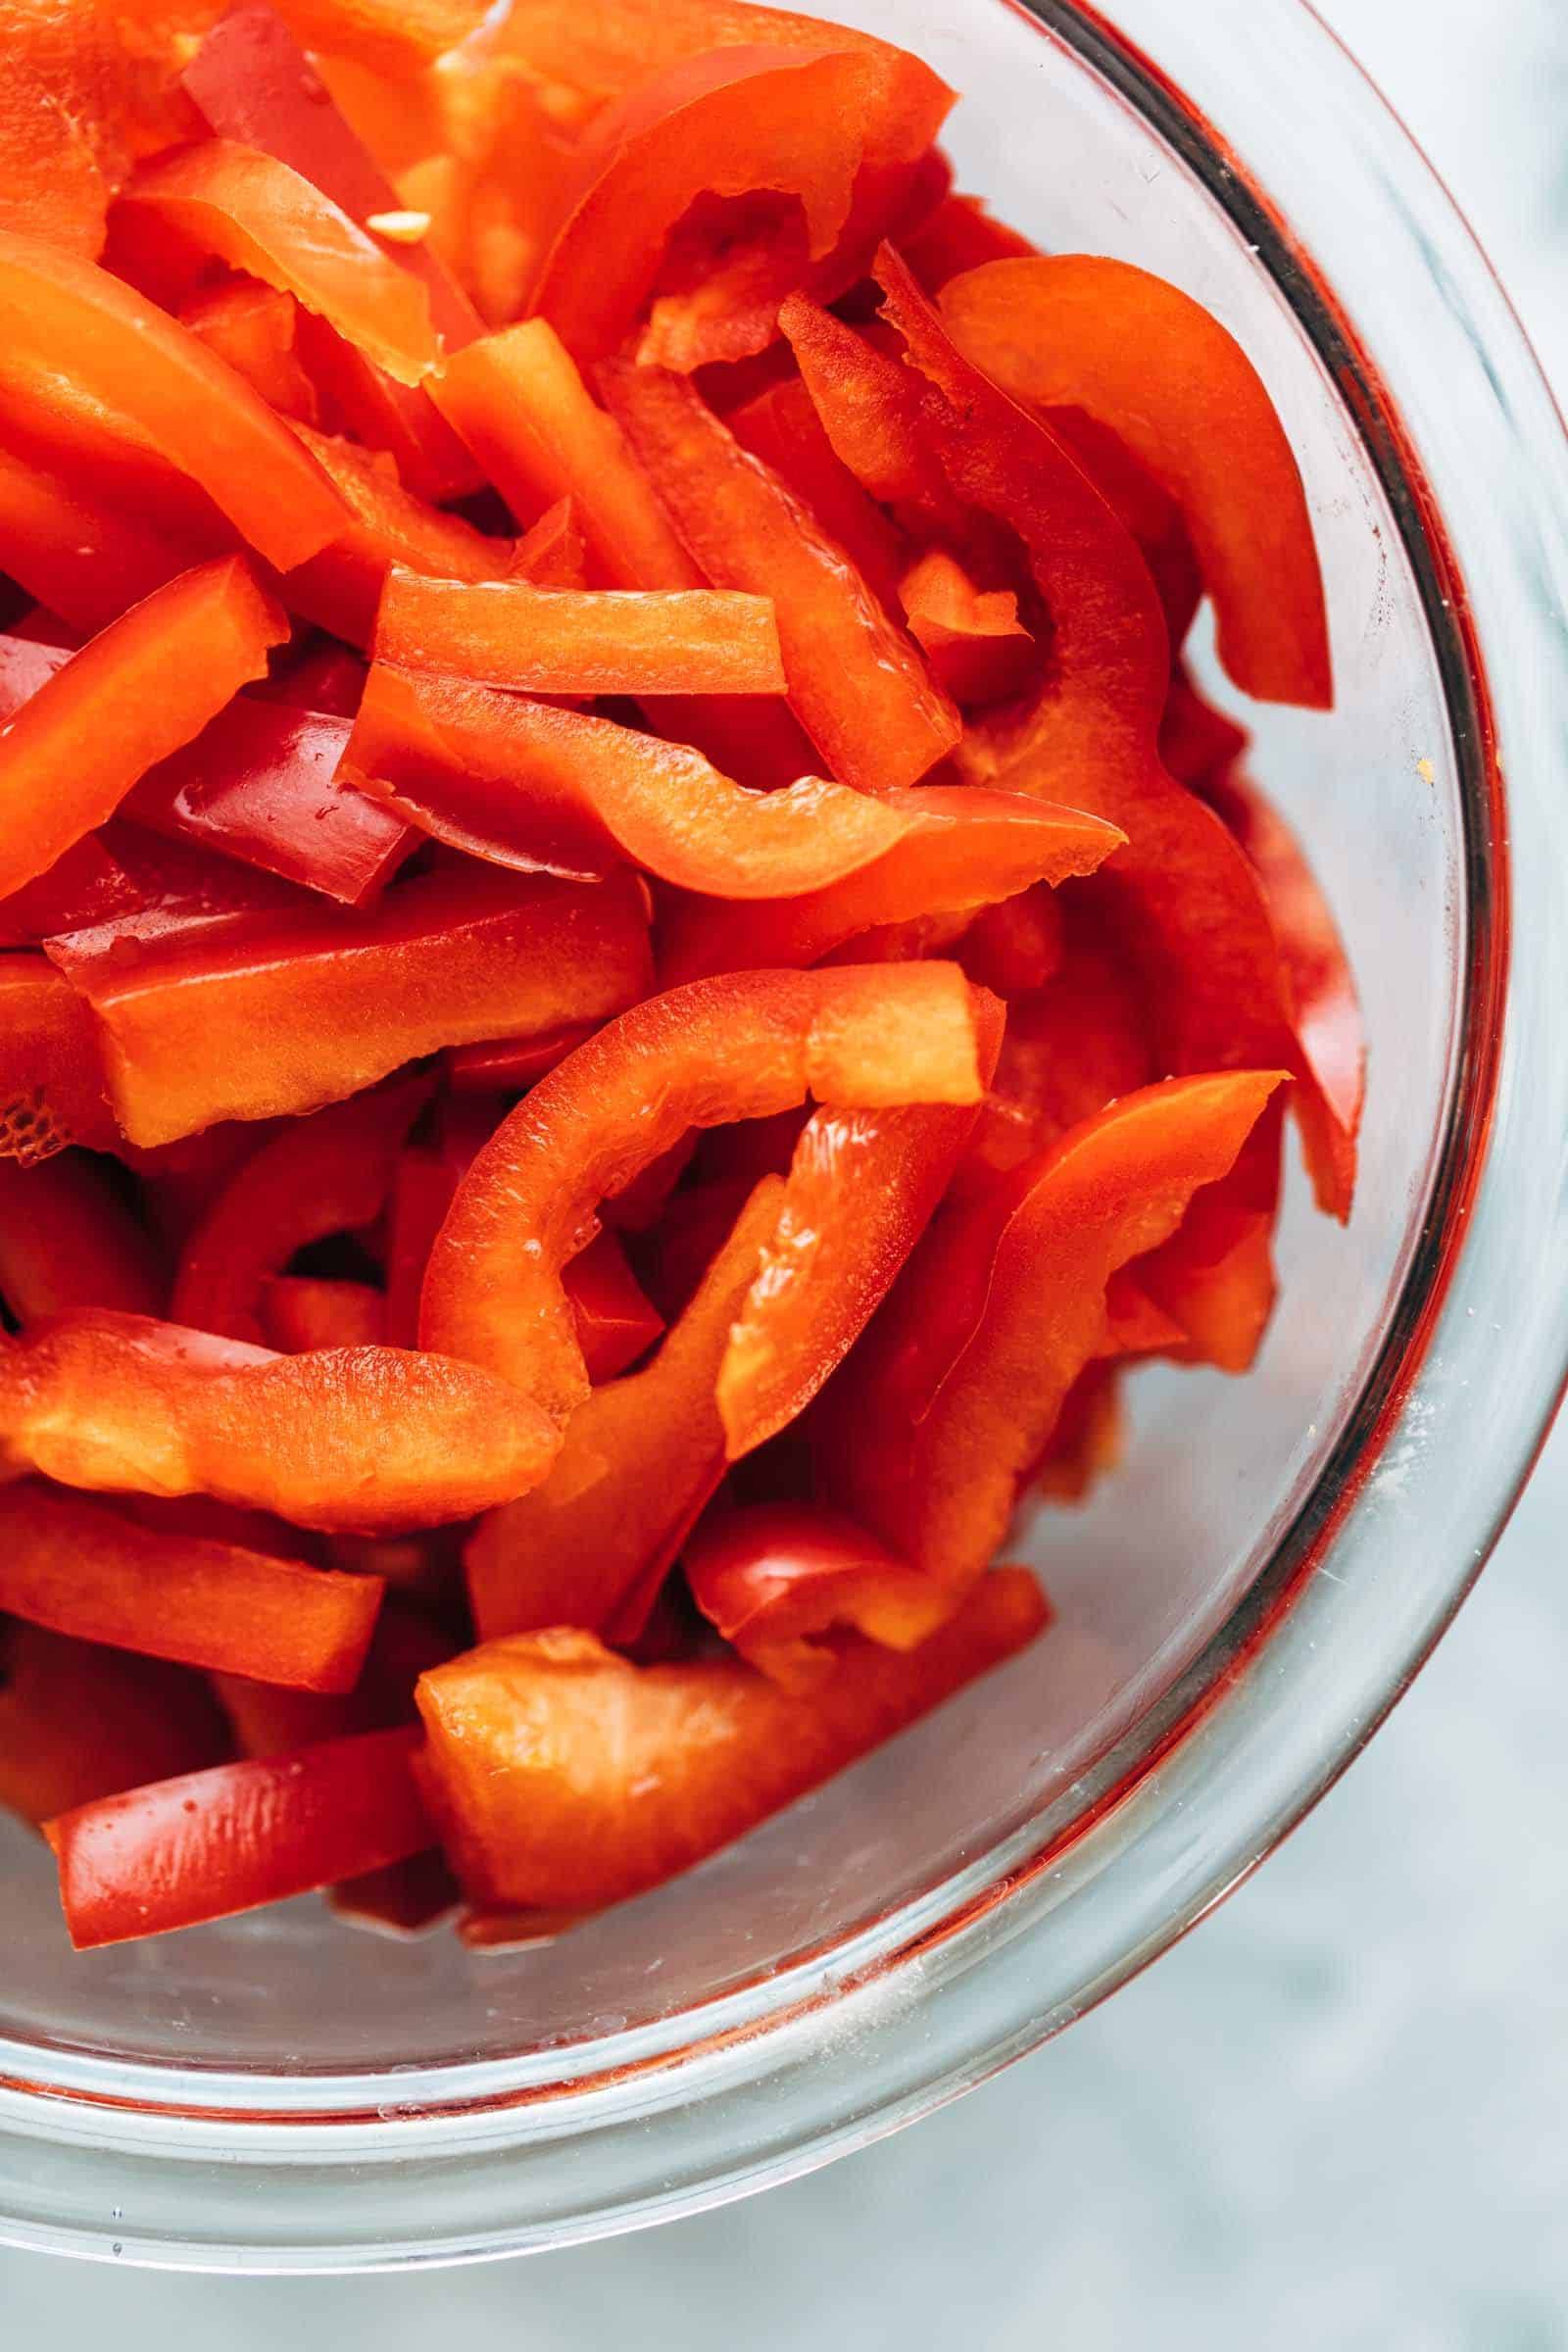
(978, 648)
(552, 552)
(782, 428)
(300, 1312)
(1003, 1306)
(593, 642)
(77, 1722)
(776, 1577)
(1197, 741)
(732, 1049)
(521, 783)
(615, 1321)
(314, 673)
(88, 362)
(324, 1175)
(52, 1086)
(77, 557)
(1017, 946)
(68, 1240)
(297, 1009)
(269, 1719)
(509, 1065)
(639, 1461)
(86, 885)
(602, 49)
(1214, 1278)
(210, 1843)
(960, 234)
(138, 691)
(1089, 1438)
(857, 684)
(360, 1439)
(401, 1899)
(252, 327)
(1142, 357)
(52, 185)
(964, 848)
(539, 1809)
(86, 1570)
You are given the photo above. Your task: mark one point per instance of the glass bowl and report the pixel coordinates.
(1250, 1594)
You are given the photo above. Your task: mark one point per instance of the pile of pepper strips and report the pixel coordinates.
(632, 972)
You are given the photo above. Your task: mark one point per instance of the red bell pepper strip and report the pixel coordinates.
(537, 1807)
(86, 885)
(359, 1439)
(1082, 331)
(960, 234)
(783, 431)
(602, 49)
(243, 207)
(138, 691)
(1089, 1438)
(639, 1461)
(733, 124)
(556, 641)
(857, 684)
(978, 648)
(77, 1722)
(299, 1010)
(509, 1065)
(319, 1176)
(271, 1719)
(52, 1085)
(1143, 506)
(1000, 1310)
(521, 783)
(1197, 741)
(774, 1578)
(402, 1898)
(1017, 944)
(69, 1239)
(965, 848)
(85, 360)
(210, 1843)
(252, 327)
(1214, 1278)
(863, 1186)
(615, 1321)
(72, 553)
(731, 1048)
(52, 185)
(83, 1569)
(300, 1312)
(314, 672)
(552, 552)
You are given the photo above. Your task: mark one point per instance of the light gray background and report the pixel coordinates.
(1337, 2117)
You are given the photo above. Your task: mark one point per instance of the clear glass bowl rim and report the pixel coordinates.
(99, 2158)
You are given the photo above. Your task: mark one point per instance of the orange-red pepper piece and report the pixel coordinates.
(69, 1239)
(89, 364)
(52, 1086)
(359, 1438)
(775, 1577)
(521, 783)
(781, 427)
(539, 1807)
(52, 184)
(83, 1569)
(731, 1048)
(253, 329)
(1214, 1278)
(1143, 358)
(856, 682)
(139, 690)
(960, 234)
(70, 552)
(552, 552)
(211, 1843)
(300, 1312)
(972, 637)
(509, 1065)
(79, 1722)
(602, 49)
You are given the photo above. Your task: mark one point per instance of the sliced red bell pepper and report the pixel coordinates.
(592, 642)
(1142, 357)
(1197, 741)
(314, 672)
(960, 234)
(1089, 1438)
(68, 1240)
(552, 552)
(52, 1086)
(300, 1312)
(615, 1321)
(86, 885)
(70, 552)
(1143, 506)
(269, 1719)
(965, 848)
(77, 1722)
(211, 1843)
(52, 185)
(639, 1461)
(509, 1065)
(978, 648)
(774, 1578)
(144, 686)
(782, 428)
(602, 49)
(319, 1176)
(294, 1010)
(1017, 944)
(538, 1807)
(252, 327)
(997, 1315)
(521, 783)
(400, 1899)
(731, 1048)
(83, 1569)
(856, 683)
(86, 361)
(1214, 1277)
(359, 1438)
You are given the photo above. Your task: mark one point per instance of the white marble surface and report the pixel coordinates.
(1334, 2118)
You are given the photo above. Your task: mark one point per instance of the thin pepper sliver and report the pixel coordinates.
(79, 1722)
(774, 1578)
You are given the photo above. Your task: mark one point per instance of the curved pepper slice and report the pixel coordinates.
(733, 124)
(252, 327)
(52, 185)
(521, 783)
(1017, 944)
(138, 691)
(509, 1065)
(52, 1086)
(211, 1843)
(81, 1568)
(539, 1807)
(552, 552)
(774, 1578)
(589, 642)
(972, 637)
(960, 234)
(247, 209)
(639, 1461)
(75, 555)
(319, 1176)
(294, 1010)
(964, 848)
(999, 1313)
(77, 1722)
(856, 682)
(83, 359)
(601, 49)
(1143, 358)
(300, 1313)
(360, 1439)
(1214, 1277)
(782, 428)
(68, 1240)
(733, 1049)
